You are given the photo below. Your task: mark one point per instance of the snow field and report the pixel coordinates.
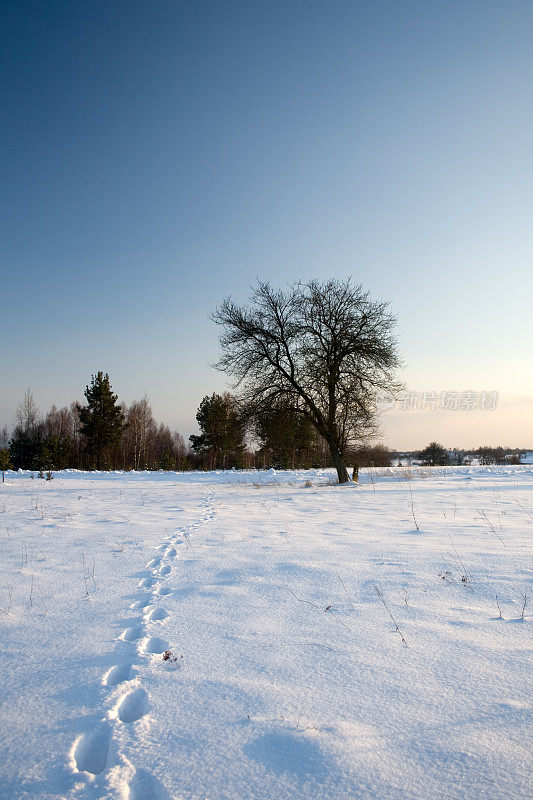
(321, 645)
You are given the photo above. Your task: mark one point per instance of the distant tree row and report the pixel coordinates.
(105, 434)
(102, 434)
(437, 455)
(280, 438)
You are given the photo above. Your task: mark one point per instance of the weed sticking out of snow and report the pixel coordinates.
(171, 661)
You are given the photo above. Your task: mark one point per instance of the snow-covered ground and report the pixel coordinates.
(324, 647)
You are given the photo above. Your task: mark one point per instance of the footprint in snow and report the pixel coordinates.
(91, 749)
(142, 603)
(163, 590)
(156, 615)
(144, 786)
(147, 583)
(171, 552)
(153, 644)
(155, 562)
(132, 634)
(165, 571)
(117, 674)
(133, 705)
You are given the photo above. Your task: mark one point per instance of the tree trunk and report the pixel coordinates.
(338, 462)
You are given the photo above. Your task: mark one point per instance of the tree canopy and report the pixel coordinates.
(434, 455)
(321, 349)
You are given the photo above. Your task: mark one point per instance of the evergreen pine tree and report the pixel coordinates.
(287, 438)
(102, 420)
(26, 448)
(222, 430)
(167, 460)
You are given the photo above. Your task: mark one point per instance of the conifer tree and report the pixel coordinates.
(26, 448)
(222, 430)
(287, 439)
(102, 420)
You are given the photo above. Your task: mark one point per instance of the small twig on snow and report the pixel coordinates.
(390, 613)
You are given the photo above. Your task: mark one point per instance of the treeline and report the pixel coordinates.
(437, 455)
(490, 455)
(102, 434)
(105, 434)
(282, 439)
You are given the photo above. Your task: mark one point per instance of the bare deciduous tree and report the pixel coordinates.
(60, 422)
(322, 349)
(140, 432)
(4, 438)
(27, 412)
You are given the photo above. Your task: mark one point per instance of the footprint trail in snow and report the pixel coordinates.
(140, 641)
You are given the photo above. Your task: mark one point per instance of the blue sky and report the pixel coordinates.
(157, 157)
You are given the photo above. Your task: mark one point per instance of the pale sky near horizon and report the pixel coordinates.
(157, 157)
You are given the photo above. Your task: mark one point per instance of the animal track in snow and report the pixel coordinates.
(153, 644)
(165, 571)
(132, 634)
(163, 590)
(117, 674)
(156, 615)
(147, 583)
(91, 749)
(133, 705)
(171, 552)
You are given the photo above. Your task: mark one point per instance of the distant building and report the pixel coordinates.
(473, 461)
(404, 460)
(527, 457)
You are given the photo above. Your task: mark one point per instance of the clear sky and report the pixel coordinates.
(158, 156)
